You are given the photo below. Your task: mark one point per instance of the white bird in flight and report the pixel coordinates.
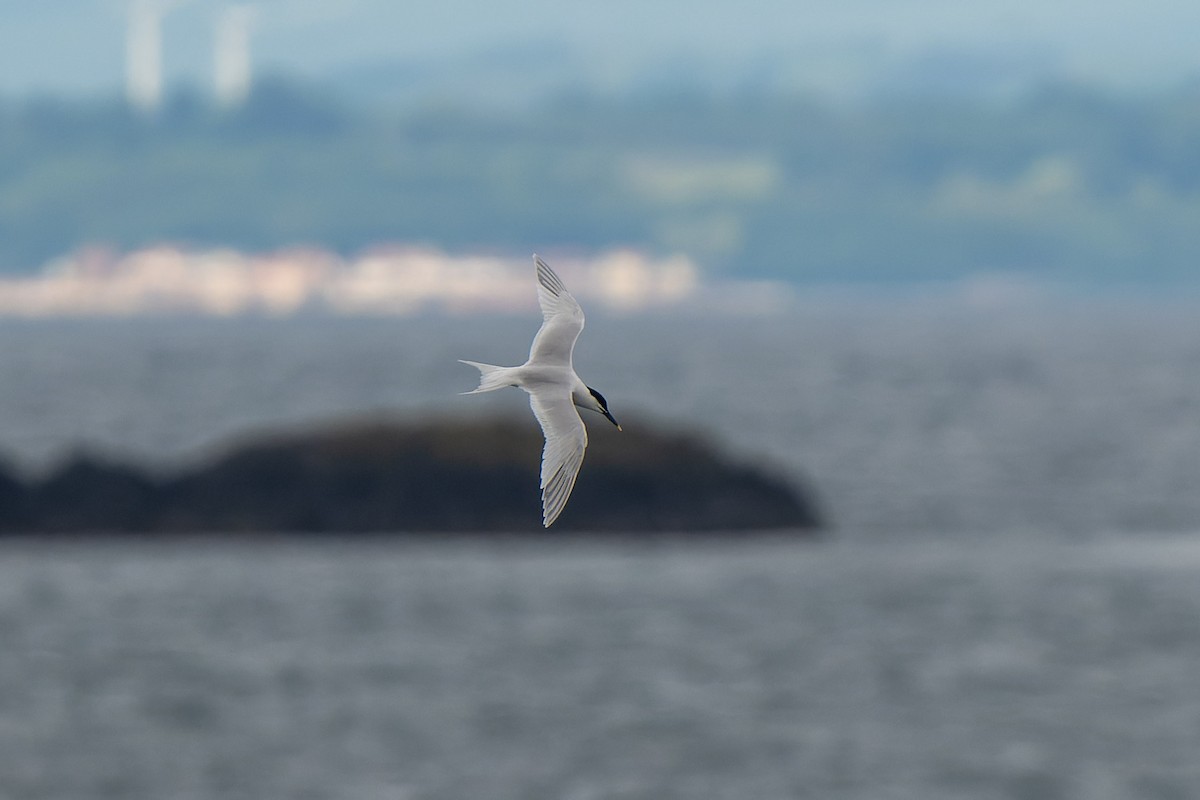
(554, 390)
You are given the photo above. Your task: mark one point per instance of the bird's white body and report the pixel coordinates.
(554, 390)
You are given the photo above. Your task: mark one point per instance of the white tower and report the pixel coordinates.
(231, 55)
(143, 55)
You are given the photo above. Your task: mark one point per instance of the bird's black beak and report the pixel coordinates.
(610, 419)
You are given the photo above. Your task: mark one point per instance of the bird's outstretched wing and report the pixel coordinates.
(562, 455)
(562, 319)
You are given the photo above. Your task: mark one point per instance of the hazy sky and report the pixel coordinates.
(73, 46)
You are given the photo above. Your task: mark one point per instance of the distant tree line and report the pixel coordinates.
(1062, 183)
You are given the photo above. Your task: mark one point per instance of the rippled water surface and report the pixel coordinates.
(1008, 605)
(766, 669)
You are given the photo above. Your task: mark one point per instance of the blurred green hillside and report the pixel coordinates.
(1061, 184)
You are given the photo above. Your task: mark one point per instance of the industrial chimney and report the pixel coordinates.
(143, 55)
(231, 55)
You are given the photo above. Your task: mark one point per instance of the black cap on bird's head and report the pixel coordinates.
(603, 406)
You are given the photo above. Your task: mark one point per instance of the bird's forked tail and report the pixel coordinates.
(491, 377)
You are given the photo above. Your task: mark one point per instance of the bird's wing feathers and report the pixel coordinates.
(562, 319)
(562, 456)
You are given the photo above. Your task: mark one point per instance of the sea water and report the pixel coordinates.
(1006, 606)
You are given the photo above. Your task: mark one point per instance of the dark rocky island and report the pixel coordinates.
(386, 476)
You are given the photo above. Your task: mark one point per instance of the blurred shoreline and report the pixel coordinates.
(169, 281)
(388, 280)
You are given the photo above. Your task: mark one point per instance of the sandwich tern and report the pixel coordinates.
(554, 390)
